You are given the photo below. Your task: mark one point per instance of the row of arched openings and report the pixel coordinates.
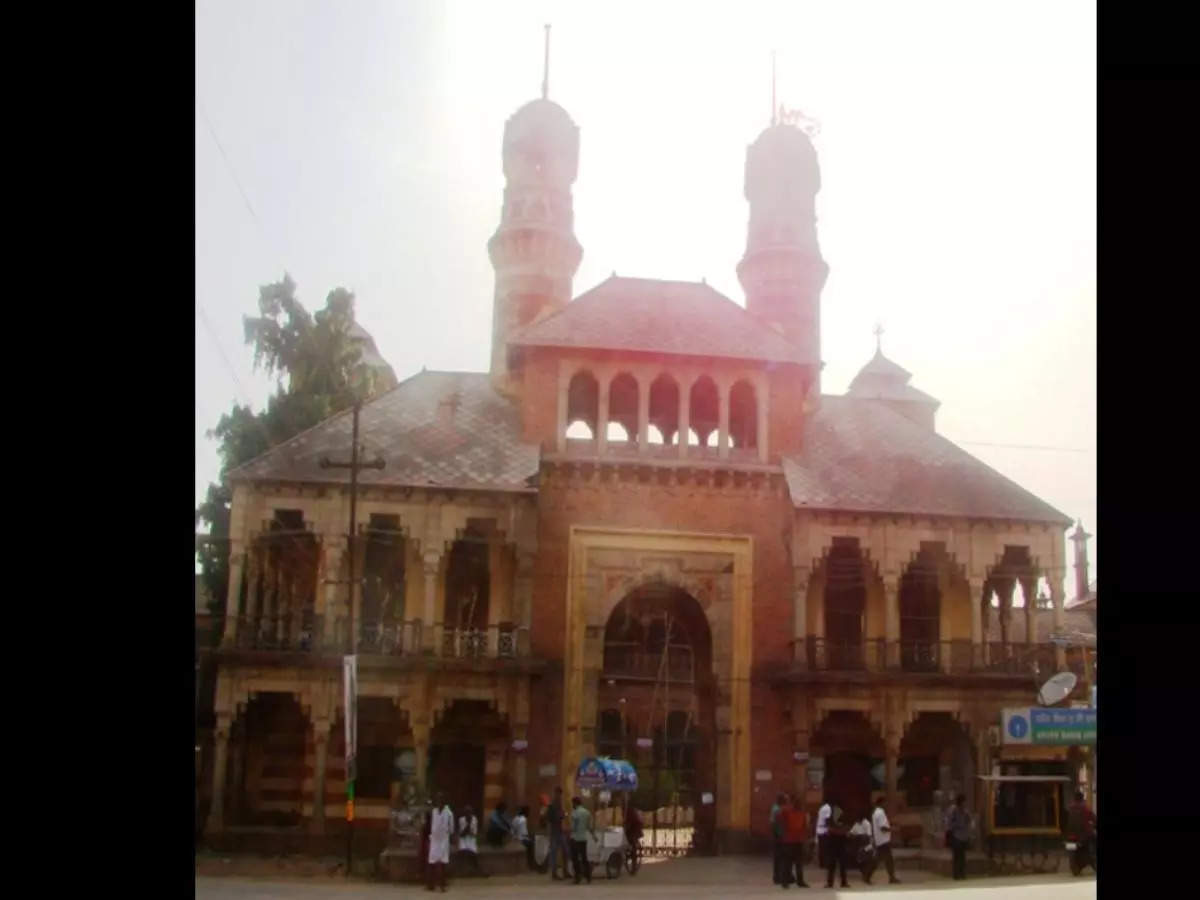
(663, 426)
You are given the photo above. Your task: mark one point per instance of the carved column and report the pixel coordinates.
(643, 430)
(254, 568)
(523, 599)
(723, 421)
(891, 619)
(420, 732)
(975, 596)
(430, 563)
(1029, 589)
(1004, 592)
(1056, 595)
(564, 385)
(685, 413)
(760, 396)
(602, 416)
(320, 764)
(216, 812)
(233, 597)
(333, 551)
(800, 578)
(892, 733)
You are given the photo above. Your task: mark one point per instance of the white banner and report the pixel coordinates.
(350, 701)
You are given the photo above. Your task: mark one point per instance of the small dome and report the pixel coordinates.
(541, 143)
(782, 155)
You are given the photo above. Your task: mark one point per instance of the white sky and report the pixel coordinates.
(958, 167)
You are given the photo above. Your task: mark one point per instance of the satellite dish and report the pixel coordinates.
(1058, 688)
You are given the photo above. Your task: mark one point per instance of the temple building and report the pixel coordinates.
(645, 532)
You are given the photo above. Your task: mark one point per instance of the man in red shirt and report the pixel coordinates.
(795, 833)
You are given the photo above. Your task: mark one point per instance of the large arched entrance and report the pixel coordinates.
(656, 708)
(853, 754)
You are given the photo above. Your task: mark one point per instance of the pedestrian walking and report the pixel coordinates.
(863, 849)
(581, 827)
(958, 835)
(554, 834)
(777, 835)
(520, 831)
(836, 843)
(795, 833)
(823, 815)
(882, 831)
(468, 834)
(441, 829)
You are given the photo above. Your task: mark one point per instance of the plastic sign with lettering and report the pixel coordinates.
(1049, 727)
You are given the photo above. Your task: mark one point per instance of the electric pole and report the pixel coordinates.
(351, 663)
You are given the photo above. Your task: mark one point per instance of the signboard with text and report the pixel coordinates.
(1055, 727)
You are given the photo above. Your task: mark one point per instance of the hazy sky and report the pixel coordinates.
(361, 148)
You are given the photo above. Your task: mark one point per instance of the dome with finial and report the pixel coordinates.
(887, 381)
(781, 159)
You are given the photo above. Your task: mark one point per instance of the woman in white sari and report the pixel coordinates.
(440, 829)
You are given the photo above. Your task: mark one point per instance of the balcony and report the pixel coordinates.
(961, 657)
(632, 661)
(316, 636)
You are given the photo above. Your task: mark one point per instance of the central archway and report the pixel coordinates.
(656, 707)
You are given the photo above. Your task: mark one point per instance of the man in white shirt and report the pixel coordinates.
(863, 849)
(883, 840)
(441, 827)
(468, 832)
(823, 815)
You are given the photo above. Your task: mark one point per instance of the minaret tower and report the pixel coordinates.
(534, 251)
(782, 271)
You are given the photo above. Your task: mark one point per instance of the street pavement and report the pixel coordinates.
(728, 876)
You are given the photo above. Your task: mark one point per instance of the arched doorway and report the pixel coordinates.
(268, 755)
(656, 708)
(853, 756)
(936, 763)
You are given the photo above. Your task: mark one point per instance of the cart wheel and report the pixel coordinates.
(633, 860)
(612, 866)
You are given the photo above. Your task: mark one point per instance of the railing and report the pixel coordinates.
(309, 633)
(818, 654)
(632, 660)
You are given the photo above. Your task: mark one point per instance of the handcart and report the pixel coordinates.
(608, 847)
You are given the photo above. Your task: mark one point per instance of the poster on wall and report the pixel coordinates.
(816, 773)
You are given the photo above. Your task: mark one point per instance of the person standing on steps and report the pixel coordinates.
(520, 831)
(883, 840)
(823, 833)
(836, 847)
(958, 834)
(777, 835)
(581, 827)
(468, 834)
(441, 829)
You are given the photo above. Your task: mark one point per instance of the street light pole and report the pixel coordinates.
(351, 690)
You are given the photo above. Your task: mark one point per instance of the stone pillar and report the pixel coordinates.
(891, 752)
(333, 550)
(891, 620)
(978, 638)
(233, 597)
(760, 397)
(564, 385)
(254, 567)
(685, 416)
(216, 812)
(602, 417)
(523, 599)
(800, 578)
(723, 421)
(643, 430)
(1029, 589)
(520, 732)
(1056, 595)
(430, 563)
(320, 764)
(420, 731)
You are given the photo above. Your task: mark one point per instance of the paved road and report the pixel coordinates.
(741, 877)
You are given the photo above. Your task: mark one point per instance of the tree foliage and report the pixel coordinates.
(314, 359)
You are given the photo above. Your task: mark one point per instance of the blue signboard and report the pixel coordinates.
(1055, 727)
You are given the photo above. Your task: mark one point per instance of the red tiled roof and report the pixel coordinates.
(445, 429)
(861, 455)
(647, 315)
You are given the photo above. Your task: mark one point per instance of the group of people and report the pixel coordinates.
(567, 833)
(869, 840)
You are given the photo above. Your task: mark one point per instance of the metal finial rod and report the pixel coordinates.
(546, 68)
(773, 87)
(878, 337)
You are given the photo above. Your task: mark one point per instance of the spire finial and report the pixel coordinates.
(546, 68)
(879, 337)
(773, 119)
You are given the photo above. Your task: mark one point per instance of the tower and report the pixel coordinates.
(1080, 538)
(782, 271)
(534, 250)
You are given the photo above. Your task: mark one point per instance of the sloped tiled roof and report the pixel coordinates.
(882, 379)
(652, 316)
(445, 429)
(861, 455)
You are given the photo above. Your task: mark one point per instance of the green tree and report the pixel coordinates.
(315, 361)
